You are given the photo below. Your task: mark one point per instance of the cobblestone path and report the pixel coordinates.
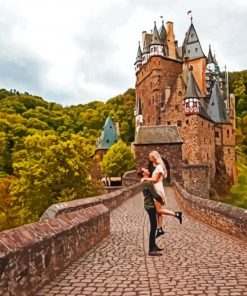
(197, 260)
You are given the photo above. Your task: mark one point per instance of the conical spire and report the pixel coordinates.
(156, 38)
(210, 59)
(192, 88)
(108, 135)
(216, 107)
(162, 32)
(191, 45)
(139, 54)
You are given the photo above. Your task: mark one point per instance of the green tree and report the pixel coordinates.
(117, 160)
(49, 170)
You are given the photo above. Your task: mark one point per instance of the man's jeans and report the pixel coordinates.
(153, 226)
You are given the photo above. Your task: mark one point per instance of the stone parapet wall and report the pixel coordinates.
(196, 179)
(33, 254)
(229, 219)
(110, 200)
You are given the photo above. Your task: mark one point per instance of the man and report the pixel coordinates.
(150, 196)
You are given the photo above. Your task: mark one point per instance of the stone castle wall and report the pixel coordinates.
(172, 153)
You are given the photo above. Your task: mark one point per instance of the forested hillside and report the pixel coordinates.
(238, 86)
(45, 148)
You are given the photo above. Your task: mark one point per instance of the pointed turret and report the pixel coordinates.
(193, 94)
(156, 38)
(216, 107)
(210, 59)
(146, 51)
(192, 46)
(192, 88)
(162, 33)
(108, 135)
(156, 46)
(163, 37)
(138, 62)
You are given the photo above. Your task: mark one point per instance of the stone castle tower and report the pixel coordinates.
(182, 88)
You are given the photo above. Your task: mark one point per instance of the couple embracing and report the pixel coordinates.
(154, 199)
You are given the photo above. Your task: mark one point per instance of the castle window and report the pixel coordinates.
(180, 93)
(204, 141)
(210, 141)
(217, 135)
(148, 118)
(187, 121)
(229, 151)
(202, 123)
(168, 123)
(176, 107)
(189, 51)
(179, 123)
(196, 49)
(153, 119)
(207, 156)
(151, 84)
(228, 133)
(107, 140)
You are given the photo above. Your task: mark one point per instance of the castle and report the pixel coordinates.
(183, 108)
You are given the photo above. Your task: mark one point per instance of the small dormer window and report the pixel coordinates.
(192, 35)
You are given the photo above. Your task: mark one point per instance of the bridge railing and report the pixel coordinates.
(227, 218)
(33, 254)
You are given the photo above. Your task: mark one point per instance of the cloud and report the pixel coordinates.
(76, 51)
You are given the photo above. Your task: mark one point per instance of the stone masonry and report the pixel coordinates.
(197, 260)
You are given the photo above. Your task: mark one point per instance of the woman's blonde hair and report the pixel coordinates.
(158, 157)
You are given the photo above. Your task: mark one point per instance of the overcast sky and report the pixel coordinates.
(76, 51)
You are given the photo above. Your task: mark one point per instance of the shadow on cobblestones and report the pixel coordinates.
(197, 260)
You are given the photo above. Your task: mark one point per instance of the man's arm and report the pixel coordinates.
(154, 194)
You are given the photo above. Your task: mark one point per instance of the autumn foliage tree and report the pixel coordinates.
(118, 160)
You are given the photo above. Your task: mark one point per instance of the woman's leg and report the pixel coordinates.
(166, 212)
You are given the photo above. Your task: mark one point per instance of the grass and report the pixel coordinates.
(238, 193)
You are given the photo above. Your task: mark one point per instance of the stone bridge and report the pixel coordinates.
(82, 248)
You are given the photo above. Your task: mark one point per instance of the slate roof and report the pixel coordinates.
(156, 37)
(108, 135)
(162, 33)
(216, 107)
(161, 134)
(193, 90)
(139, 54)
(191, 45)
(210, 59)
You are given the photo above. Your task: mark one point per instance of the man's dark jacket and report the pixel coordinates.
(150, 194)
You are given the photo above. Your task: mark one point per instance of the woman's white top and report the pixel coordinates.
(159, 184)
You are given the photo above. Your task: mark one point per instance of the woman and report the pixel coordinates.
(157, 178)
